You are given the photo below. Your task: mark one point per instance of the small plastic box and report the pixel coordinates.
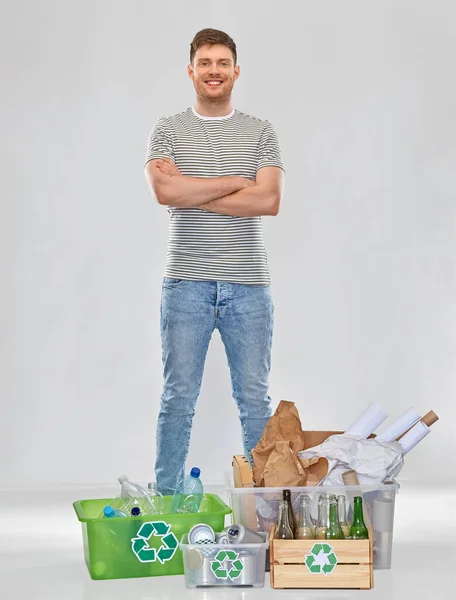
(144, 546)
(231, 565)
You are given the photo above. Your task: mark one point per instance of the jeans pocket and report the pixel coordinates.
(171, 282)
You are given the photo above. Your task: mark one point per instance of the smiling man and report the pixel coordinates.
(218, 171)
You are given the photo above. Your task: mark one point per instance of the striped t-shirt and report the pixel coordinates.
(204, 245)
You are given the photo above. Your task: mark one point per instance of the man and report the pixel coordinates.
(218, 171)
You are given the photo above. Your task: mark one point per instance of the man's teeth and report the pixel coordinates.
(214, 82)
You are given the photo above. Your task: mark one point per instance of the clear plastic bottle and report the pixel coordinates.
(189, 493)
(135, 495)
(156, 498)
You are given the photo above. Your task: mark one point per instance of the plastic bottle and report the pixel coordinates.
(189, 493)
(136, 495)
(155, 498)
(110, 512)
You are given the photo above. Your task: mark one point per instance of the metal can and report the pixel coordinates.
(205, 575)
(238, 534)
(246, 575)
(222, 537)
(201, 533)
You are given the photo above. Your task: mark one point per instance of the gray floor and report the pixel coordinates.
(41, 556)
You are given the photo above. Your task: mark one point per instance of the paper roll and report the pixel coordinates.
(368, 421)
(404, 422)
(350, 478)
(430, 418)
(414, 436)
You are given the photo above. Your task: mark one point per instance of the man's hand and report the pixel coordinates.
(168, 167)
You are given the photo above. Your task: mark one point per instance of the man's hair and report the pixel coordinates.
(210, 37)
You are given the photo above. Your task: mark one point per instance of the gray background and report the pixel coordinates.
(362, 255)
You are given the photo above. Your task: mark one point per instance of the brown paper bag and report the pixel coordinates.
(275, 461)
(283, 468)
(284, 425)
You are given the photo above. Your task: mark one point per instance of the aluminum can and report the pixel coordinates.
(200, 534)
(238, 534)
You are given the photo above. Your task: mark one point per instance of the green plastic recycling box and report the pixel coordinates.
(144, 546)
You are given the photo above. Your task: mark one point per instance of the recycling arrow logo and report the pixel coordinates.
(220, 564)
(140, 544)
(321, 559)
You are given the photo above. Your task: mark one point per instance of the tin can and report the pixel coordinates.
(238, 534)
(222, 537)
(205, 575)
(246, 575)
(200, 534)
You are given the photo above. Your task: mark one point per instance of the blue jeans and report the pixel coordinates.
(190, 311)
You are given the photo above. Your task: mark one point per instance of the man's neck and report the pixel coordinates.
(213, 109)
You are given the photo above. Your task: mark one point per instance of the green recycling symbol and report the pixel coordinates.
(144, 552)
(321, 559)
(224, 573)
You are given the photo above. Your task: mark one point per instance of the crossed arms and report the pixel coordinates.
(235, 196)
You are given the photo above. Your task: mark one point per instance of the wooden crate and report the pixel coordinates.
(353, 567)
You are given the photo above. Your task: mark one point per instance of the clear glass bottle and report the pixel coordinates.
(334, 530)
(358, 529)
(283, 531)
(342, 511)
(155, 497)
(291, 515)
(304, 526)
(323, 515)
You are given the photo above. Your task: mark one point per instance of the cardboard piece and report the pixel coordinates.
(275, 460)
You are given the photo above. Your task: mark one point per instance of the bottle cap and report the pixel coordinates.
(108, 511)
(135, 512)
(195, 472)
(122, 478)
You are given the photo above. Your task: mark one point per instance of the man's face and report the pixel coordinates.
(213, 72)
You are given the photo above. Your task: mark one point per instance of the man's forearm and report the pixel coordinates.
(185, 191)
(253, 201)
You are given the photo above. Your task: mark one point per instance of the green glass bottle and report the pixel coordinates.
(334, 530)
(358, 529)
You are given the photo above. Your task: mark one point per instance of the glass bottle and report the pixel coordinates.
(291, 515)
(358, 529)
(304, 527)
(342, 510)
(284, 531)
(334, 530)
(323, 515)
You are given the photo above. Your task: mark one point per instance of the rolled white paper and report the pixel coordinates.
(412, 437)
(368, 421)
(399, 426)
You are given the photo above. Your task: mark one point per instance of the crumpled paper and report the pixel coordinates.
(373, 461)
(275, 457)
